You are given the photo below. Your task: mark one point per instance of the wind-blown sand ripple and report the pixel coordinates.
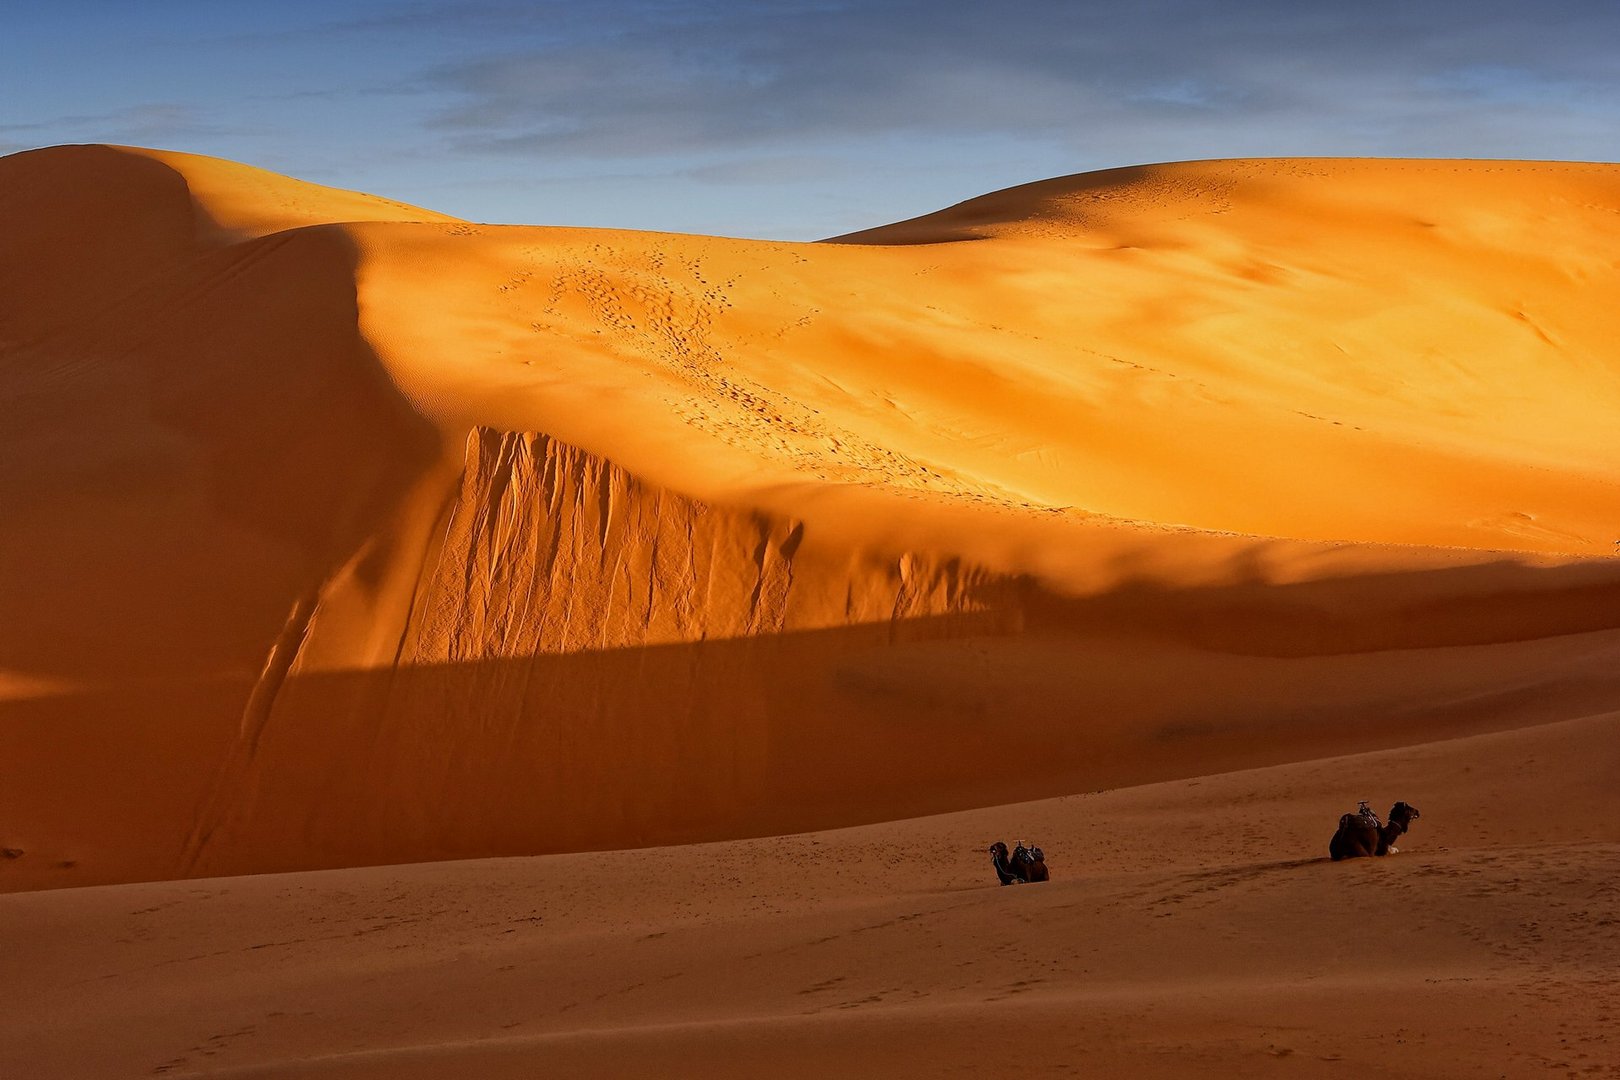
(1191, 927)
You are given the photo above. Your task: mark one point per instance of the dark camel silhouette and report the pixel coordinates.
(1025, 864)
(1401, 817)
(1361, 833)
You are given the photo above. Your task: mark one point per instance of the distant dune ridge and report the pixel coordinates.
(339, 532)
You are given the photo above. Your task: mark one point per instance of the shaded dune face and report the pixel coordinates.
(340, 532)
(589, 662)
(196, 431)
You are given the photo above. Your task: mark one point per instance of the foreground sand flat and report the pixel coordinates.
(1192, 928)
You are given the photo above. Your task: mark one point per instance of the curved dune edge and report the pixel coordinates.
(344, 532)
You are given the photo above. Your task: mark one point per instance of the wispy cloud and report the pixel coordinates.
(150, 122)
(683, 76)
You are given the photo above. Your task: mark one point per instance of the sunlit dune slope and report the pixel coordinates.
(342, 532)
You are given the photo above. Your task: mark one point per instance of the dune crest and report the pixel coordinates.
(344, 532)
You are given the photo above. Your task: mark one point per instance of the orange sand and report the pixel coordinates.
(1192, 928)
(341, 533)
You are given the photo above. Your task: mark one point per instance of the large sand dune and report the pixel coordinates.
(338, 532)
(1157, 515)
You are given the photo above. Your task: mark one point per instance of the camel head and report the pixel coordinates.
(1402, 812)
(998, 849)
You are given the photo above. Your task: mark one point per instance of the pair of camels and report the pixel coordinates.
(1024, 865)
(1361, 833)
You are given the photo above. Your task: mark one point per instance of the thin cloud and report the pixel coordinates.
(773, 74)
(147, 122)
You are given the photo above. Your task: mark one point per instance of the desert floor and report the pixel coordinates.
(1192, 928)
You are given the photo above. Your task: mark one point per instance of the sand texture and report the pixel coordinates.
(1192, 928)
(1196, 500)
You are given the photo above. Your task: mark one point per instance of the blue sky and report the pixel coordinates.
(796, 119)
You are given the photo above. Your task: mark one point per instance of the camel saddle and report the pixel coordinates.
(1362, 820)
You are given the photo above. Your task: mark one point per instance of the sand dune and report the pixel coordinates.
(747, 590)
(340, 532)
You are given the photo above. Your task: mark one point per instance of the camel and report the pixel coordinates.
(1033, 862)
(1401, 817)
(1003, 865)
(1025, 864)
(1361, 833)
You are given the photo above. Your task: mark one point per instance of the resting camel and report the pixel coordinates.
(1025, 864)
(1361, 833)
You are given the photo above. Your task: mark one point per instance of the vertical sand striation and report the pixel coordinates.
(589, 661)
